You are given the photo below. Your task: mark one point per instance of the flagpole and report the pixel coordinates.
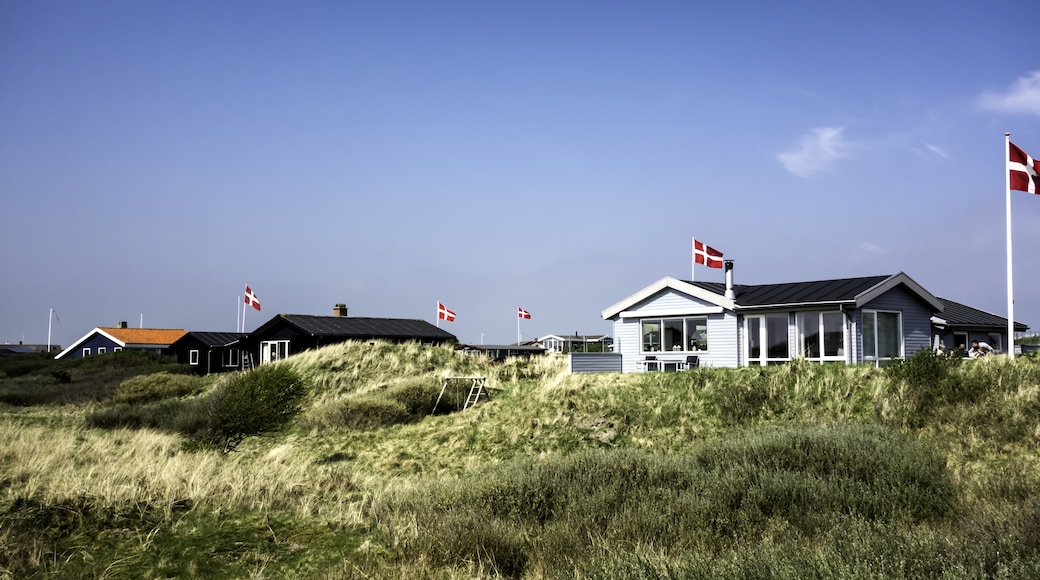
(518, 328)
(693, 259)
(50, 315)
(1010, 284)
(438, 316)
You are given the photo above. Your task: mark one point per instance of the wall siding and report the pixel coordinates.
(594, 362)
(723, 346)
(917, 319)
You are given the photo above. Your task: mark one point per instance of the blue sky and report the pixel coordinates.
(557, 156)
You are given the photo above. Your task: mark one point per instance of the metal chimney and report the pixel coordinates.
(730, 294)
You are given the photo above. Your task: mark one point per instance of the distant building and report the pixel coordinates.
(21, 348)
(209, 352)
(104, 340)
(575, 342)
(500, 352)
(287, 334)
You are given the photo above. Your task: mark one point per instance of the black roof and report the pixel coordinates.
(364, 328)
(957, 314)
(841, 290)
(214, 339)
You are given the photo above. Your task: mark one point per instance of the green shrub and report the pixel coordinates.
(156, 387)
(263, 400)
(359, 413)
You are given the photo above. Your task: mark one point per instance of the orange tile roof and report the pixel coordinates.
(164, 336)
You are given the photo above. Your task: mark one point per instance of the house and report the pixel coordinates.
(575, 343)
(673, 324)
(500, 352)
(287, 334)
(209, 352)
(959, 324)
(103, 340)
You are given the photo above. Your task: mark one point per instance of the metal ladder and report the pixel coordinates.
(477, 389)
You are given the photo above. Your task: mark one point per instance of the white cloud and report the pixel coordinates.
(816, 152)
(936, 150)
(869, 248)
(1022, 97)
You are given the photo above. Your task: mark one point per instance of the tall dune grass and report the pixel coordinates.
(801, 470)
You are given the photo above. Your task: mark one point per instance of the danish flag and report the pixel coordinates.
(1025, 171)
(521, 313)
(445, 314)
(706, 255)
(251, 298)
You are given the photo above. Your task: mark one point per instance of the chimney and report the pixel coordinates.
(729, 280)
(339, 310)
(122, 324)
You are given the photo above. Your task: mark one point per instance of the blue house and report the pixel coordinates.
(674, 324)
(105, 339)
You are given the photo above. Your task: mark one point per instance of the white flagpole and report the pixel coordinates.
(244, 314)
(1010, 284)
(693, 259)
(518, 328)
(50, 315)
(238, 316)
(438, 315)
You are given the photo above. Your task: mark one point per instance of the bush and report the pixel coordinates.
(360, 413)
(156, 387)
(263, 400)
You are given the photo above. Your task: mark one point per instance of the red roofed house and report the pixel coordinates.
(104, 339)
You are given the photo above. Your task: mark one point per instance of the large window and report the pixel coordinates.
(675, 334)
(272, 350)
(229, 358)
(767, 341)
(882, 335)
(821, 336)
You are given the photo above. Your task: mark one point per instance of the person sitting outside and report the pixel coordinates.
(979, 349)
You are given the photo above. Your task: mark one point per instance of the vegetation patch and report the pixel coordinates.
(552, 511)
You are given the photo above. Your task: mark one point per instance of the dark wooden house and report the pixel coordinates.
(287, 334)
(209, 352)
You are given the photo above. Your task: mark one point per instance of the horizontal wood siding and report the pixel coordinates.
(594, 362)
(723, 341)
(626, 342)
(723, 344)
(917, 318)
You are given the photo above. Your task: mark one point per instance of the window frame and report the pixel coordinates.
(275, 350)
(870, 350)
(765, 338)
(692, 334)
(821, 333)
(193, 357)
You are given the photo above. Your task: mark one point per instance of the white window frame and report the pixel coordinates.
(763, 359)
(820, 315)
(86, 351)
(686, 346)
(273, 350)
(193, 357)
(117, 349)
(874, 358)
(101, 350)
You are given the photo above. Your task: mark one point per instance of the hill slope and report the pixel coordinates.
(927, 469)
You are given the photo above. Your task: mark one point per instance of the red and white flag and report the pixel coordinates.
(445, 314)
(706, 255)
(251, 298)
(1025, 171)
(521, 313)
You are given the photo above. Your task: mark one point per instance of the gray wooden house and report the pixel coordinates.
(674, 324)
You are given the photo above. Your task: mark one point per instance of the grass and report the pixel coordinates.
(796, 471)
